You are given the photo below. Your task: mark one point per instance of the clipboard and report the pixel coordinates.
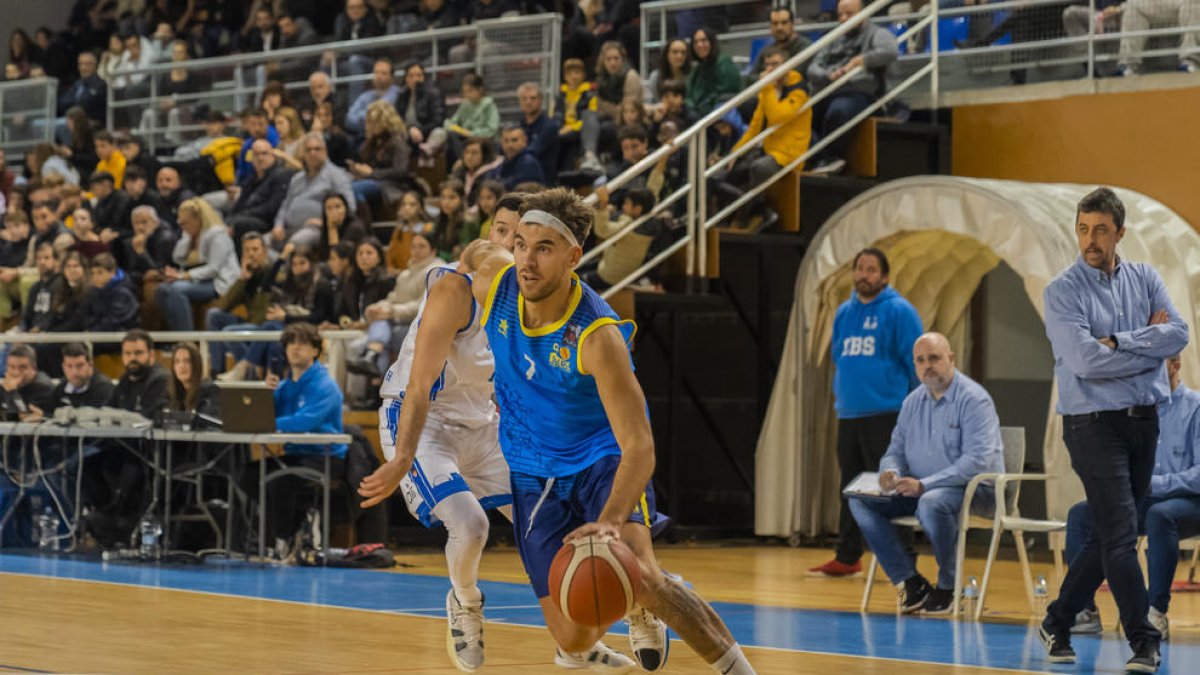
(866, 486)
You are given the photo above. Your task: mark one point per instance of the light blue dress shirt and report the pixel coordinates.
(946, 442)
(1084, 305)
(1177, 462)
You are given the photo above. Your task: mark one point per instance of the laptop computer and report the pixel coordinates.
(247, 407)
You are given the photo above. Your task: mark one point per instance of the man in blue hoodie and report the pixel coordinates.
(307, 400)
(519, 166)
(873, 336)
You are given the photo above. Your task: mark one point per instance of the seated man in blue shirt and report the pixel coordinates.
(1172, 510)
(307, 400)
(947, 433)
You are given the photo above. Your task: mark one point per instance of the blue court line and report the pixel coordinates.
(879, 636)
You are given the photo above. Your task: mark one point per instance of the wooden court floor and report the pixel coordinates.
(62, 625)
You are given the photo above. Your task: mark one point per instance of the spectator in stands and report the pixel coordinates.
(382, 175)
(291, 134)
(438, 14)
(260, 196)
(261, 34)
(173, 192)
(477, 117)
(112, 305)
(1172, 507)
(82, 386)
(188, 390)
(357, 22)
(27, 392)
(714, 78)
(177, 82)
(540, 129)
(616, 80)
(148, 252)
(337, 143)
(411, 219)
(37, 314)
(295, 31)
(305, 293)
(15, 239)
(623, 258)
(70, 306)
(874, 49)
(87, 241)
(299, 217)
(481, 214)
(256, 125)
(274, 96)
(420, 103)
(579, 125)
(143, 386)
(478, 158)
(778, 105)
(214, 130)
(339, 224)
(78, 144)
(133, 149)
(89, 92)
(307, 400)
(111, 209)
(47, 161)
(47, 228)
(138, 190)
(22, 52)
(110, 59)
(586, 29)
(367, 283)
(674, 63)
(869, 386)
(139, 54)
(635, 146)
(783, 30)
(320, 90)
(1138, 15)
(519, 165)
(383, 87)
(251, 292)
(398, 309)
(672, 105)
(111, 161)
(205, 265)
(946, 434)
(452, 232)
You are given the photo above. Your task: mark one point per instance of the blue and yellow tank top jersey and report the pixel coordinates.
(552, 422)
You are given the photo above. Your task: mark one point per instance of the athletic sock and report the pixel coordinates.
(733, 662)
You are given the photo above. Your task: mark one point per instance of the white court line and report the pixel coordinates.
(443, 609)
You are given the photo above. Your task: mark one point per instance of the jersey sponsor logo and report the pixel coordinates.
(560, 357)
(503, 327)
(571, 335)
(532, 369)
(858, 346)
(871, 323)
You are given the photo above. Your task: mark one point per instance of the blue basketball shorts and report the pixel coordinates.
(547, 509)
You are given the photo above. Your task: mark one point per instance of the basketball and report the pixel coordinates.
(594, 580)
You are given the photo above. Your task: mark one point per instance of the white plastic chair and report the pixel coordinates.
(1013, 440)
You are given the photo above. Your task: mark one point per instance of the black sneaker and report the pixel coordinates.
(1058, 645)
(1145, 658)
(939, 601)
(916, 594)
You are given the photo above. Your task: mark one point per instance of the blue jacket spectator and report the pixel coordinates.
(519, 164)
(872, 354)
(383, 85)
(307, 399)
(88, 92)
(541, 130)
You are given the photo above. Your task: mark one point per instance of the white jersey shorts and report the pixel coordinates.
(451, 458)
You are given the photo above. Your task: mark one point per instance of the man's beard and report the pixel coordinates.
(135, 369)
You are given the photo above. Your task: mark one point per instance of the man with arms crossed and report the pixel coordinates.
(1111, 324)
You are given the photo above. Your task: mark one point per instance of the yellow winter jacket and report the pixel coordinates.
(775, 107)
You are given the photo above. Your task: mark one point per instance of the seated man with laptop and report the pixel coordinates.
(947, 433)
(305, 400)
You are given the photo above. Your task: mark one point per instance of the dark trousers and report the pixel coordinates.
(861, 444)
(832, 113)
(1113, 454)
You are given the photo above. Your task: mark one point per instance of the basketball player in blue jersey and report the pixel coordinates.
(574, 427)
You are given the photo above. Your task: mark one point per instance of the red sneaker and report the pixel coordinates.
(835, 569)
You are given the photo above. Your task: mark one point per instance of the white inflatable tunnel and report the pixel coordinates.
(942, 235)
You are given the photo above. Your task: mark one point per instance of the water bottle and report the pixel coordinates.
(151, 534)
(1041, 595)
(970, 597)
(45, 525)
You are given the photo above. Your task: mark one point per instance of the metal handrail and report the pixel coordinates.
(48, 110)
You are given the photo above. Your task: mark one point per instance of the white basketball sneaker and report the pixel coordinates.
(599, 659)
(464, 636)
(647, 639)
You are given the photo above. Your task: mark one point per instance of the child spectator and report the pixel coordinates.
(484, 210)
(111, 159)
(112, 305)
(576, 113)
(624, 257)
(87, 241)
(411, 219)
(477, 117)
(451, 231)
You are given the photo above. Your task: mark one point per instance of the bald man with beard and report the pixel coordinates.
(947, 433)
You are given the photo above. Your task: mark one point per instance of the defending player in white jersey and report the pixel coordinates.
(438, 426)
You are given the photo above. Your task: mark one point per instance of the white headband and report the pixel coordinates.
(543, 218)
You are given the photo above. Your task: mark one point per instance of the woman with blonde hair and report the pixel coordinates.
(206, 264)
(291, 137)
(382, 176)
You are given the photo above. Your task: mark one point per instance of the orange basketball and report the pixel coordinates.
(594, 580)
